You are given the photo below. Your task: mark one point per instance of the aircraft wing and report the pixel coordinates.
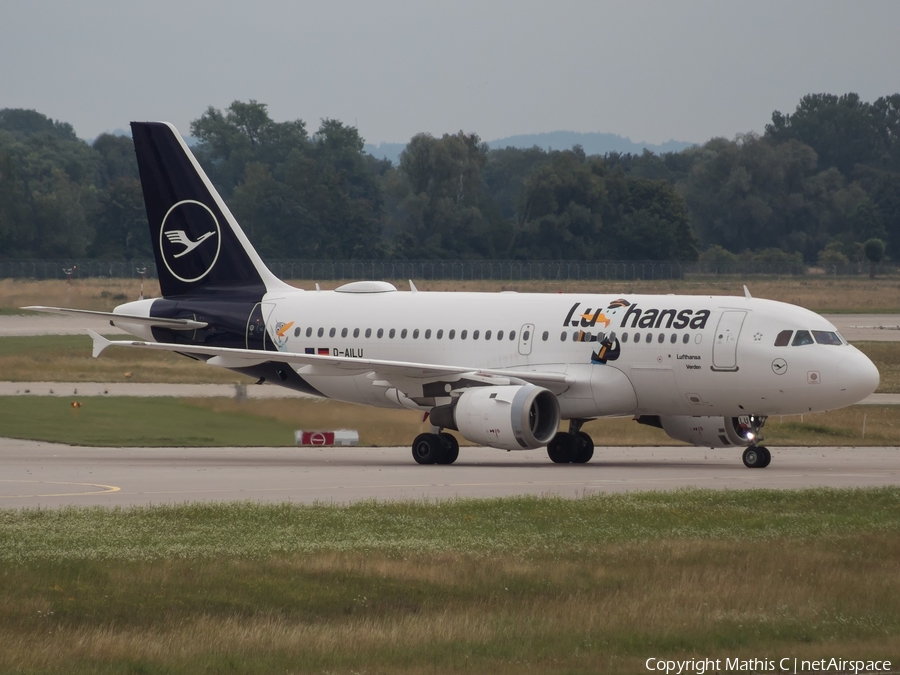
(400, 374)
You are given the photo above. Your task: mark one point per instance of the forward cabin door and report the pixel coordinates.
(726, 340)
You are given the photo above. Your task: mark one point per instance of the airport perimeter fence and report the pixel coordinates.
(449, 270)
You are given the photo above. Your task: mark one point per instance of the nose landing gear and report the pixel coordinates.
(755, 456)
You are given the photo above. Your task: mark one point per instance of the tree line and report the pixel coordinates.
(820, 185)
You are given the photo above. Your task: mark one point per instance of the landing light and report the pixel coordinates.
(750, 435)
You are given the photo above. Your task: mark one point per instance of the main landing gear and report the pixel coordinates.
(572, 447)
(440, 448)
(757, 457)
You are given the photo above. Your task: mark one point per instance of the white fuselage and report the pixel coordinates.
(677, 355)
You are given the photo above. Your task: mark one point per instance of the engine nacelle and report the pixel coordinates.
(709, 432)
(509, 417)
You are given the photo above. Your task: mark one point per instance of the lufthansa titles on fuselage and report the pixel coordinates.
(633, 316)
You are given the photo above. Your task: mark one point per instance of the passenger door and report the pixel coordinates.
(726, 340)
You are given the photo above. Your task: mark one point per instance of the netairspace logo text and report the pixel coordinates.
(788, 664)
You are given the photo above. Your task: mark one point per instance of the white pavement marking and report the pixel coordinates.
(343, 475)
(144, 390)
(867, 327)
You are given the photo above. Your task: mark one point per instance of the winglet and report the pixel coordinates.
(412, 287)
(747, 292)
(100, 343)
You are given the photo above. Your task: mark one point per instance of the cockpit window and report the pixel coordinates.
(802, 338)
(824, 337)
(784, 338)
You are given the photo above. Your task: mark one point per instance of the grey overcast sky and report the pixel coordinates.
(653, 71)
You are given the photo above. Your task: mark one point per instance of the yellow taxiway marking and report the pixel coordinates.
(106, 489)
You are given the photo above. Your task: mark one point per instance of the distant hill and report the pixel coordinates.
(593, 144)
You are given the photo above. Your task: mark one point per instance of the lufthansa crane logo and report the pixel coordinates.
(190, 240)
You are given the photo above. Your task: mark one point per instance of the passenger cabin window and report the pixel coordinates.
(428, 334)
(526, 335)
(499, 334)
(451, 334)
(512, 335)
(624, 337)
(297, 331)
(674, 338)
(686, 338)
(332, 332)
(440, 333)
(802, 338)
(343, 332)
(368, 332)
(637, 337)
(562, 336)
(392, 333)
(784, 338)
(356, 332)
(463, 334)
(649, 337)
(380, 333)
(474, 334)
(403, 334)
(824, 337)
(487, 335)
(662, 338)
(309, 332)
(545, 335)
(416, 334)
(321, 332)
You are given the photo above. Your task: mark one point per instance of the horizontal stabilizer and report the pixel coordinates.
(171, 324)
(100, 343)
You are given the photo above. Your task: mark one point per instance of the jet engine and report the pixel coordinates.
(513, 417)
(709, 432)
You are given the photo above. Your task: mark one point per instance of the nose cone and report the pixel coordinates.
(858, 377)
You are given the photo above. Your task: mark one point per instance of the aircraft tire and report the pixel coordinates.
(562, 448)
(754, 458)
(427, 448)
(584, 448)
(767, 456)
(450, 449)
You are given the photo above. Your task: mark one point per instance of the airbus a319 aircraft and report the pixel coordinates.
(501, 369)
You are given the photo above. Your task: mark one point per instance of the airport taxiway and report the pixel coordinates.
(37, 474)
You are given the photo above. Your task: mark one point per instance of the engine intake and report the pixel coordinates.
(514, 417)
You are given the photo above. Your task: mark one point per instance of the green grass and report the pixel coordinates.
(67, 358)
(162, 421)
(135, 422)
(517, 585)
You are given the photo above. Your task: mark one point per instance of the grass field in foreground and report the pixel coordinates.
(226, 422)
(519, 585)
